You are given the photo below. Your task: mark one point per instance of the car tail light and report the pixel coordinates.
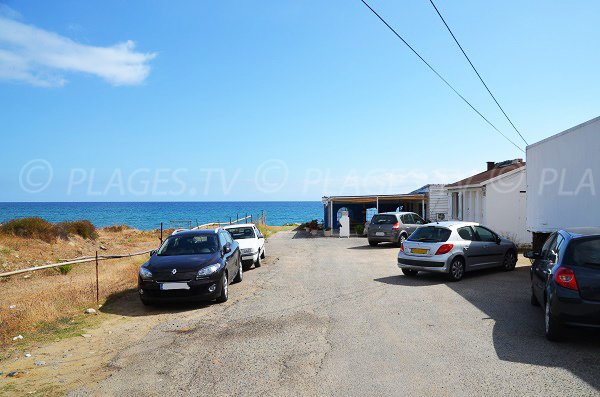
(444, 249)
(401, 247)
(396, 226)
(565, 277)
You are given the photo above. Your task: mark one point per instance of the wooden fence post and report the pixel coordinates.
(97, 283)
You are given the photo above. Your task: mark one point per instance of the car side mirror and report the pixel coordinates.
(531, 255)
(152, 253)
(498, 240)
(226, 248)
(261, 236)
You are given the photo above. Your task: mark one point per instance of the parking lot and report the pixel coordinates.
(328, 316)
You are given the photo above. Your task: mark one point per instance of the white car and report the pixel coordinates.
(251, 242)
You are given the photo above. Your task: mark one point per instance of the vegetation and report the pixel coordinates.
(81, 228)
(116, 228)
(38, 228)
(64, 269)
(359, 229)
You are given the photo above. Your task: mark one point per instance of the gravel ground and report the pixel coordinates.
(336, 317)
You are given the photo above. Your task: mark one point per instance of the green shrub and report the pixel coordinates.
(360, 229)
(81, 228)
(31, 228)
(64, 269)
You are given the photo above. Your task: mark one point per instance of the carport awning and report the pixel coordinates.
(372, 199)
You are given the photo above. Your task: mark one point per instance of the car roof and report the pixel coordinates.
(583, 231)
(194, 232)
(239, 225)
(394, 213)
(452, 224)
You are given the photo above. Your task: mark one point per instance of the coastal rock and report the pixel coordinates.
(18, 337)
(27, 354)
(90, 311)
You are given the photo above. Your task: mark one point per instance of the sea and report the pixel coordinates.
(149, 215)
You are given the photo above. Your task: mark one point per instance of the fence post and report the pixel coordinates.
(97, 283)
(161, 233)
(237, 218)
(246, 218)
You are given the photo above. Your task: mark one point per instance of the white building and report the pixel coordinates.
(495, 198)
(563, 177)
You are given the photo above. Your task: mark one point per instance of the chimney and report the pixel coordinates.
(490, 165)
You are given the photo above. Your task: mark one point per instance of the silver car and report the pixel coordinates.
(454, 248)
(392, 227)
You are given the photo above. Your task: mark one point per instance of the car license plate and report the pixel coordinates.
(419, 250)
(379, 234)
(169, 286)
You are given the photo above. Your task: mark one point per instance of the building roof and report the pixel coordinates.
(373, 198)
(572, 129)
(499, 169)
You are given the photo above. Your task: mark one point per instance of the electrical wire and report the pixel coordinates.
(439, 75)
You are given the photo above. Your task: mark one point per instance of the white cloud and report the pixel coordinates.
(40, 58)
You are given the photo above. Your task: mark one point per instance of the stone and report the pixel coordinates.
(18, 337)
(27, 354)
(86, 335)
(40, 363)
(90, 311)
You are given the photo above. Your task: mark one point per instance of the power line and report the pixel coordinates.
(439, 75)
(475, 70)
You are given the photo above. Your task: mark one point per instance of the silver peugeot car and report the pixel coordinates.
(453, 248)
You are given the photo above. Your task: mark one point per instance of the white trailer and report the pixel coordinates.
(563, 178)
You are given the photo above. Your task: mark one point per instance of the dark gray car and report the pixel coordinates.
(393, 227)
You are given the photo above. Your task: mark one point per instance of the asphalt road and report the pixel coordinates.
(335, 317)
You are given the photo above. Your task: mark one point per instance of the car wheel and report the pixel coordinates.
(534, 301)
(401, 240)
(410, 272)
(224, 289)
(373, 243)
(263, 255)
(553, 328)
(510, 261)
(457, 269)
(258, 261)
(240, 275)
(145, 301)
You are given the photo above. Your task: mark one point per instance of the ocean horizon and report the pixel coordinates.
(147, 215)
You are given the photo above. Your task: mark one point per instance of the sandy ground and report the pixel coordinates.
(324, 317)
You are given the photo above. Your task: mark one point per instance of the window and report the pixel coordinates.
(430, 234)
(485, 234)
(384, 220)
(547, 246)
(466, 233)
(189, 245)
(222, 239)
(584, 252)
(407, 219)
(240, 233)
(418, 220)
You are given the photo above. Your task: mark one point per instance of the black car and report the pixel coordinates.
(565, 279)
(191, 265)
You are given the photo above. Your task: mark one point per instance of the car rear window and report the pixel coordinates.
(430, 234)
(384, 220)
(584, 252)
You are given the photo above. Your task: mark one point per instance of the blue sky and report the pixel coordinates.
(277, 100)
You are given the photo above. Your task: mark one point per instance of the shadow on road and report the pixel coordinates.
(128, 304)
(378, 247)
(518, 333)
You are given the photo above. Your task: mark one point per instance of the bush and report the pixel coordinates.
(360, 229)
(31, 228)
(81, 228)
(116, 228)
(64, 269)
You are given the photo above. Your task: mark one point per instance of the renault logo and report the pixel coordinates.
(173, 271)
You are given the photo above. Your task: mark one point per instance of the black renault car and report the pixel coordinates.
(565, 279)
(191, 265)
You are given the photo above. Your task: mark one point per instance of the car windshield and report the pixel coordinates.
(584, 252)
(430, 234)
(239, 233)
(384, 220)
(189, 245)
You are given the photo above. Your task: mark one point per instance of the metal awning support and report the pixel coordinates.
(423, 209)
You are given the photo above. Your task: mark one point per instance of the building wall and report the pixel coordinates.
(505, 207)
(563, 179)
(438, 202)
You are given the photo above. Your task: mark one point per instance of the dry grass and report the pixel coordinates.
(267, 230)
(80, 228)
(34, 228)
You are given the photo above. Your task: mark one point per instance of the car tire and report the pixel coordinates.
(263, 255)
(554, 330)
(457, 269)
(258, 262)
(373, 243)
(240, 274)
(224, 290)
(410, 272)
(533, 300)
(401, 240)
(510, 261)
(145, 301)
